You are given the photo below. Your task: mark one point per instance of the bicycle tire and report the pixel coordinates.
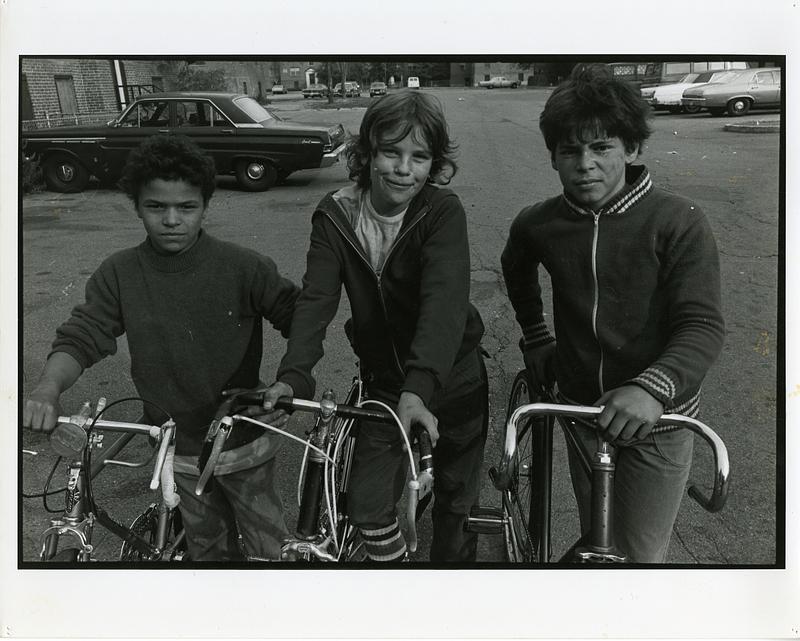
(65, 555)
(518, 498)
(145, 526)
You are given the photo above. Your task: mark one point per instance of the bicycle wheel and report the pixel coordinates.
(145, 526)
(526, 501)
(67, 555)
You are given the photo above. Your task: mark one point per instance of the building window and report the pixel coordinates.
(244, 86)
(67, 100)
(294, 71)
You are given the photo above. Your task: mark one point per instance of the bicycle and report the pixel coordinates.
(156, 535)
(324, 532)
(524, 478)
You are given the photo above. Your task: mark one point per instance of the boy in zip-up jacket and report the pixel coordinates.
(399, 246)
(636, 301)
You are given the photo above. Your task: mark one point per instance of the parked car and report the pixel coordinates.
(377, 89)
(668, 97)
(276, 89)
(737, 92)
(244, 138)
(413, 82)
(498, 81)
(351, 89)
(318, 90)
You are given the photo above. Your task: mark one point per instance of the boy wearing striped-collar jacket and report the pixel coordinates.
(636, 300)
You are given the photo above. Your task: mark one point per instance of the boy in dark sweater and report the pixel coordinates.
(636, 298)
(191, 307)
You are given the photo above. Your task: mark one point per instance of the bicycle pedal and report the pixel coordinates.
(485, 520)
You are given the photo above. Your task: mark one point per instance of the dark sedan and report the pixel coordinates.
(244, 138)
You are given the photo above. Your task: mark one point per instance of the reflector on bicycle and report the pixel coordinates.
(68, 440)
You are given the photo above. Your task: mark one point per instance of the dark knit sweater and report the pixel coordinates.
(193, 322)
(636, 292)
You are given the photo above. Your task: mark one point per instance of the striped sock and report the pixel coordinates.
(384, 544)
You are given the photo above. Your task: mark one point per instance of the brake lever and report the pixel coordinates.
(422, 487)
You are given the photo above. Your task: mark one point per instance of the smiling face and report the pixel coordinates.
(398, 171)
(592, 172)
(172, 212)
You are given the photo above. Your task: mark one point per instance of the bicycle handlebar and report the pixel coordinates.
(714, 503)
(328, 408)
(70, 437)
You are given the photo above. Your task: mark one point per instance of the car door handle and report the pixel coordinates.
(163, 131)
(227, 131)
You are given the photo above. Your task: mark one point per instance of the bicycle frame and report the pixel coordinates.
(76, 435)
(323, 531)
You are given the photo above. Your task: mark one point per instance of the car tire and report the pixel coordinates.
(256, 175)
(738, 107)
(691, 109)
(513, 85)
(65, 174)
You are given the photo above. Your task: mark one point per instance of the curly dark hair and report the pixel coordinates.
(593, 102)
(169, 157)
(397, 114)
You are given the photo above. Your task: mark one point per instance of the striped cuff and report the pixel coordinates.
(537, 335)
(657, 383)
(384, 544)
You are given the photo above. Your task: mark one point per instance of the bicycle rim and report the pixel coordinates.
(517, 499)
(144, 526)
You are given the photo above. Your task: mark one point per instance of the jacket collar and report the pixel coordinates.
(637, 185)
(342, 204)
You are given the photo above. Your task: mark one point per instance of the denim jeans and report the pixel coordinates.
(380, 465)
(245, 502)
(649, 483)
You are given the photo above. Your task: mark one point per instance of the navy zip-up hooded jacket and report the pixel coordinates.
(411, 323)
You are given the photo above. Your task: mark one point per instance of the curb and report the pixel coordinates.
(755, 127)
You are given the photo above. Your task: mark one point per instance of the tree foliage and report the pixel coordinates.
(189, 78)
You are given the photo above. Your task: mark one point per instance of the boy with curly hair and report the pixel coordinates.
(636, 301)
(191, 307)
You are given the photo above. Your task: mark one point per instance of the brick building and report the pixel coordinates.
(63, 91)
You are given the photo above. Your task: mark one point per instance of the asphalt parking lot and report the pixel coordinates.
(503, 166)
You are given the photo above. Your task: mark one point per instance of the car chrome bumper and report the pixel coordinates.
(332, 156)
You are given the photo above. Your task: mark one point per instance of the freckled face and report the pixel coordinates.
(172, 212)
(592, 172)
(399, 170)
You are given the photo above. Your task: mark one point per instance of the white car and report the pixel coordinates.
(668, 97)
(413, 82)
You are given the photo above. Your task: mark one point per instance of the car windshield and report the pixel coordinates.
(253, 109)
(690, 77)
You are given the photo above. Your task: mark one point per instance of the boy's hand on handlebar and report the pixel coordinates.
(540, 362)
(276, 418)
(629, 413)
(41, 409)
(412, 410)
